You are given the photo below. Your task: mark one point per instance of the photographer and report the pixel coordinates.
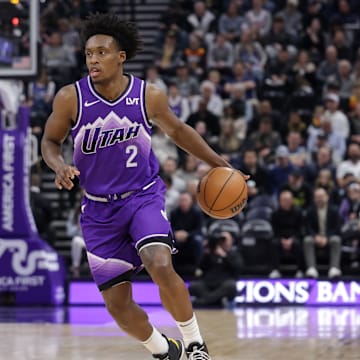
(221, 266)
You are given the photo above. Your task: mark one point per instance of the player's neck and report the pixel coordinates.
(113, 88)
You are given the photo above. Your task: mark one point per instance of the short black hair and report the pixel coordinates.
(124, 32)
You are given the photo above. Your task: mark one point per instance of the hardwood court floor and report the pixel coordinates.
(245, 333)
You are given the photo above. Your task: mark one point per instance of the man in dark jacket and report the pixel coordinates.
(287, 222)
(322, 232)
(220, 266)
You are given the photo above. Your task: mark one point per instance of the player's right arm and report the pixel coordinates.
(57, 128)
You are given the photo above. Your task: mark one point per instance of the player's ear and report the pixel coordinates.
(122, 56)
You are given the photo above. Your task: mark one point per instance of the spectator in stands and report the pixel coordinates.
(265, 140)
(41, 209)
(179, 105)
(293, 23)
(345, 79)
(304, 73)
(169, 167)
(172, 195)
(188, 168)
(326, 136)
(40, 96)
(188, 85)
(201, 21)
(287, 223)
(341, 43)
(349, 166)
(59, 59)
(162, 146)
(314, 40)
(73, 230)
(276, 37)
(298, 154)
(220, 55)
(251, 53)
(300, 190)
(207, 117)
(279, 173)
(323, 230)
(329, 66)
(194, 55)
(187, 222)
(326, 181)
(258, 173)
(168, 55)
(220, 268)
(228, 142)
(259, 19)
(296, 124)
(152, 77)
(231, 23)
(355, 124)
(243, 78)
(215, 77)
(354, 98)
(323, 161)
(214, 103)
(336, 116)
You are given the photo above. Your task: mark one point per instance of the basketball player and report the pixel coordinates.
(110, 115)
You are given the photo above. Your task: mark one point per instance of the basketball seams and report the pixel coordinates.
(220, 191)
(239, 196)
(208, 175)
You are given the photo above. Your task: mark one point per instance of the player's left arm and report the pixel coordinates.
(182, 134)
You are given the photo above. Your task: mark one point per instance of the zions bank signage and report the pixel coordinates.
(298, 292)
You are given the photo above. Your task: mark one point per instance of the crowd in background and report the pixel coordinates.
(274, 87)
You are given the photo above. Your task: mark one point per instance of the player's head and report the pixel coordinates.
(109, 41)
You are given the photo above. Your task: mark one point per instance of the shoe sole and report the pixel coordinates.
(183, 355)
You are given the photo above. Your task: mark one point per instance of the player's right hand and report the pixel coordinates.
(64, 176)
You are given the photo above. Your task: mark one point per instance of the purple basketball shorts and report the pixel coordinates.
(115, 231)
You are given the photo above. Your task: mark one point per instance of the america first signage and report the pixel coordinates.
(29, 268)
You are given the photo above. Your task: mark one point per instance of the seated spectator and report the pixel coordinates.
(323, 229)
(187, 223)
(341, 42)
(326, 181)
(179, 105)
(265, 140)
(208, 118)
(152, 77)
(259, 19)
(194, 55)
(250, 165)
(279, 173)
(220, 269)
(287, 223)
(293, 23)
(59, 59)
(349, 166)
(220, 55)
(201, 21)
(300, 190)
(215, 77)
(188, 168)
(214, 103)
(73, 230)
(231, 23)
(304, 73)
(171, 196)
(322, 161)
(188, 85)
(355, 125)
(162, 146)
(298, 154)
(296, 124)
(354, 99)
(251, 53)
(169, 167)
(314, 40)
(329, 66)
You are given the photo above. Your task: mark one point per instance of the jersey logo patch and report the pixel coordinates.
(87, 104)
(132, 101)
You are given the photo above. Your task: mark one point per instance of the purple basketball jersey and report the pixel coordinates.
(112, 140)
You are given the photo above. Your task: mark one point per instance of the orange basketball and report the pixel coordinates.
(222, 193)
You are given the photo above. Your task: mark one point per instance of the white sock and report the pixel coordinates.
(190, 331)
(156, 343)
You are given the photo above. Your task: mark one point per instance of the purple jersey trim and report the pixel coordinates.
(143, 105)
(79, 106)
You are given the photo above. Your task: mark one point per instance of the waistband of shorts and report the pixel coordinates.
(117, 196)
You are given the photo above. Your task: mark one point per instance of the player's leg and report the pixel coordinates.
(174, 296)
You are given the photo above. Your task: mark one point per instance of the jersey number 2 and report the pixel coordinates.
(132, 150)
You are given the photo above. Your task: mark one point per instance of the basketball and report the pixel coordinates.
(222, 193)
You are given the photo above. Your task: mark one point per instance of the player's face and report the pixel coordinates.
(103, 58)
